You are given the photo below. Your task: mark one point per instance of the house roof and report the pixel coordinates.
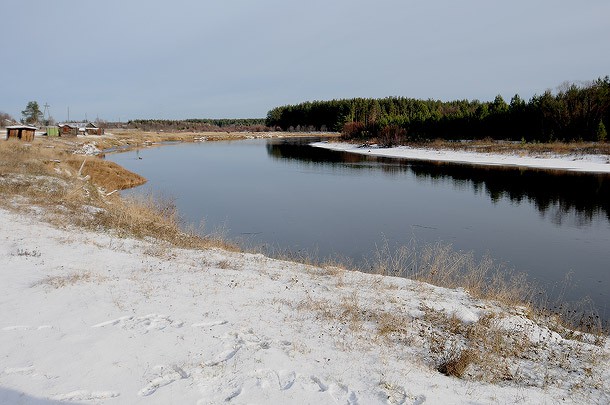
(78, 125)
(21, 127)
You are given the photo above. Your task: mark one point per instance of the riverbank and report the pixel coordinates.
(578, 162)
(106, 300)
(89, 316)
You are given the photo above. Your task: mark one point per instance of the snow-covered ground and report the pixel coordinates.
(578, 163)
(90, 318)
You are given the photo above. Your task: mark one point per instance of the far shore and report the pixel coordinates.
(129, 139)
(576, 162)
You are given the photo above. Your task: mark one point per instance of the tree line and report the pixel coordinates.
(198, 125)
(574, 112)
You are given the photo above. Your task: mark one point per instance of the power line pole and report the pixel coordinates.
(46, 113)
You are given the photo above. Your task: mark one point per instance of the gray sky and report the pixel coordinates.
(126, 59)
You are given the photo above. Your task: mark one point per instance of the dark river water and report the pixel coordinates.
(288, 196)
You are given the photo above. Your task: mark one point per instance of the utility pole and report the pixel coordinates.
(46, 113)
(68, 114)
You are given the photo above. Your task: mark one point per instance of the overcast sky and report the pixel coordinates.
(127, 59)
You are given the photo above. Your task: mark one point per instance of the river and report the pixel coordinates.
(286, 196)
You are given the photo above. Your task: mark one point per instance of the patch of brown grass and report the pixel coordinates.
(455, 362)
(108, 175)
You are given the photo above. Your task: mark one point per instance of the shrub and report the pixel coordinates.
(391, 135)
(353, 130)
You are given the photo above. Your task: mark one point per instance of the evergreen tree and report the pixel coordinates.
(601, 132)
(32, 113)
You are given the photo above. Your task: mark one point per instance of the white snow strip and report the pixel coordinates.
(576, 163)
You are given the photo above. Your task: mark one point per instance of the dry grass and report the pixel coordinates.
(489, 349)
(393, 326)
(68, 280)
(439, 264)
(106, 174)
(454, 364)
(36, 175)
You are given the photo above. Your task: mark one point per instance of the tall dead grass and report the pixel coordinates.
(441, 265)
(70, 193)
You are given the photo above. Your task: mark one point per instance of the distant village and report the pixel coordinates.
(28, 132)
(40, 123)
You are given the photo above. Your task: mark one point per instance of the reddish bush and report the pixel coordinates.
(353, 130)
(391, 135)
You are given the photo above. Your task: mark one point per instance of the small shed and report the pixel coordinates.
(52, 131)
(68, 130)
(92, 129)
(22, 132)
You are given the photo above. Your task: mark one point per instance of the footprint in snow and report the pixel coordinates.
(208, 324)
(321, 386)
(112, 322)
(233, 394)
(26, 327)
(20, 370)
(398, 396)
(285, 379)
(342, 394)
(144, 323)
(271, 379)
(83, 395)
(166, 375)
(223, 356)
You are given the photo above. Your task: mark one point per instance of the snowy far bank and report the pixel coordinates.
(577, 163)
(87, 317)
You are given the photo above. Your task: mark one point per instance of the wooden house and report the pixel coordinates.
(92, 129)
(68, 130)
(22, 132)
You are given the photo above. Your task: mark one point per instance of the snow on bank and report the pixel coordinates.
(89, 318)
(577, 163)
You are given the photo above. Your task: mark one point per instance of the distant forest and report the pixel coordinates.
(575, 112)
(201, 125)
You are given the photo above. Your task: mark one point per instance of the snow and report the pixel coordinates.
(90, 318)
(89, 149)
(577, 163)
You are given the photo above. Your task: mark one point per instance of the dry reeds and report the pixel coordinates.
(439, 264)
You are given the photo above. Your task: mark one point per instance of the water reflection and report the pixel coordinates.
(560, 197)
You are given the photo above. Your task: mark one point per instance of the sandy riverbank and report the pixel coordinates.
(549, 161)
